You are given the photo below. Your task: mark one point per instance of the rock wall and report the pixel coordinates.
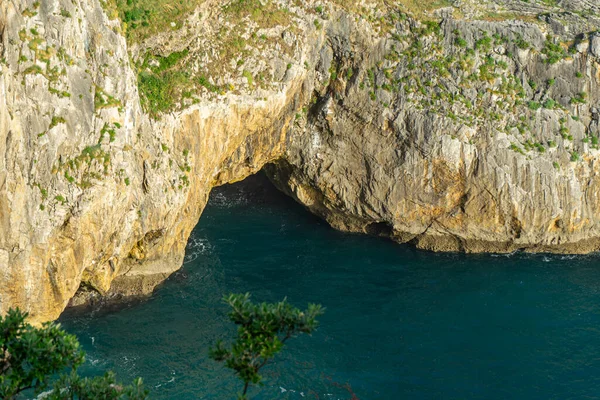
(93, 192)
(455, 136)
(419, 165)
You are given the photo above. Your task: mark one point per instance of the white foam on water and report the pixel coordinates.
(195, 248)
(129, 363)
(219, 199)
(169, 381)
(506, 255)
(302, 394)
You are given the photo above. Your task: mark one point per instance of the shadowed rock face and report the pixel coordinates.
(468, 135)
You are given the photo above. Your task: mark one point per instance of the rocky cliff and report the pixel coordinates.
(469, 127)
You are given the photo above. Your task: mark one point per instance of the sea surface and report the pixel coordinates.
(400, 323)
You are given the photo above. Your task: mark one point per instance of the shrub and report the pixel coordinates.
(32, 357)
(460, 42)
(159, 90)
(575, 156)
(263, 330)
(549, 103)
(532, 84)
(521, 43)
(580, 98)
(484, 44)
(554, 52)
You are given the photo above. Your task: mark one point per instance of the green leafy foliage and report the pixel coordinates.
(580, 98)
(265, 13)
(263, 330)
(460, 42)
(55, 121)
(159, 91)
(144, 18)
(163, 81)
(104, 100)
(169, 61)
(30, 357)
(521, 43)
(575, 156)
(73, 386)
(484, 43)
(549, 104)
(554, 51)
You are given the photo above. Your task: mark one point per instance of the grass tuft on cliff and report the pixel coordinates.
(144, 18)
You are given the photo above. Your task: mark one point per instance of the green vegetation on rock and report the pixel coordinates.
(554, 51)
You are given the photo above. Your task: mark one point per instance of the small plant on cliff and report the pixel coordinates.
(31, 357)
(263, 330)
(579, 98)
(554, 51)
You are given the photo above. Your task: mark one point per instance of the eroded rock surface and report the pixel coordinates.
(419, 164)
(472, 133)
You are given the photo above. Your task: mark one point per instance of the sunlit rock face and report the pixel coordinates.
(465, 135)
(460, 158)
(94, 193)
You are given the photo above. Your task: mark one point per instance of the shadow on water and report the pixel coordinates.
(400, 323)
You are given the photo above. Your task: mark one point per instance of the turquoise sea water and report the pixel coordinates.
(400, 323)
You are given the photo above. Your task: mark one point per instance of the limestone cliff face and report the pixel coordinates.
(93, 192)
(474, 136)
(419, 165)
